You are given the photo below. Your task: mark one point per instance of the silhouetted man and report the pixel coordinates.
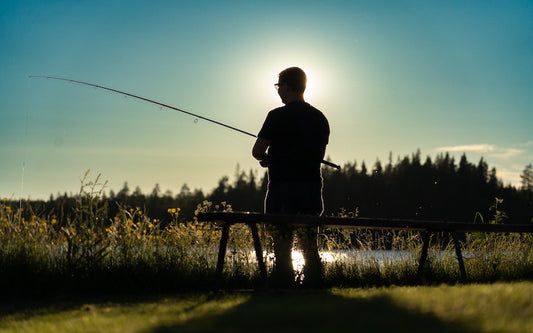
(292, 144)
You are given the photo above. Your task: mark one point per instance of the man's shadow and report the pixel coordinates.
(315, 311)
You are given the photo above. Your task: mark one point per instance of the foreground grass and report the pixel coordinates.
(499, 307)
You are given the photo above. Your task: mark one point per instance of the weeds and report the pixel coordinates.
(132, 251)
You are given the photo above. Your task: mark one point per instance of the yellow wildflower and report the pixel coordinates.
(54, 221)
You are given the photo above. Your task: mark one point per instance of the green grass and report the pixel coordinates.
(499, 307)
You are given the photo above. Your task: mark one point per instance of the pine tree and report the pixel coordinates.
(527, 178)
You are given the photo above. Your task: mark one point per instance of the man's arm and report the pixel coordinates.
(259, 151)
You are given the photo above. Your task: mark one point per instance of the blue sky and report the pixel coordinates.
(391, 76)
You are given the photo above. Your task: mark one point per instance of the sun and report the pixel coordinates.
(312, 91)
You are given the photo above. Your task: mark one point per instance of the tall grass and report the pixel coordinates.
(133, 252)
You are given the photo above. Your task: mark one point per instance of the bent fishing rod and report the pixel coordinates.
(333, 165)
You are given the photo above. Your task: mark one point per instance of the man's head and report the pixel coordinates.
(291, 85)
(294, 78)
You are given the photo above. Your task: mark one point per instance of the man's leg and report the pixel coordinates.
(313, 270)
(283, 271)
(276, 203)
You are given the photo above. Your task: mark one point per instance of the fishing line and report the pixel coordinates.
(24, 155)
(126, 94)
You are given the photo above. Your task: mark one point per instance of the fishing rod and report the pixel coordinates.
(333, 165)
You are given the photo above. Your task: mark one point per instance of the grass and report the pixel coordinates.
(132, 252)
(499, 307)
(129, 266)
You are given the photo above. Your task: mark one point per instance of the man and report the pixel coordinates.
(292, 144)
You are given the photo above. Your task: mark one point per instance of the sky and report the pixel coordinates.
(390, 76)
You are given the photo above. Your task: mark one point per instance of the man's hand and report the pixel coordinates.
(259, 151)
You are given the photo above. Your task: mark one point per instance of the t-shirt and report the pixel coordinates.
(299, 134)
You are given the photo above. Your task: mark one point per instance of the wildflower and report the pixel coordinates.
(150, 225)
(54, 221)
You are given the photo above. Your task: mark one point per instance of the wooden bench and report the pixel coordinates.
(226, 219)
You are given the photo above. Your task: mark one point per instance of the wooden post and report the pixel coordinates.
(423, 256)
(221, 254)
(259, 253)
(459, 256)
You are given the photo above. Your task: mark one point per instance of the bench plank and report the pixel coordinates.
(362, 222)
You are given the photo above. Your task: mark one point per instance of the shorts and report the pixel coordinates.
(294, 198)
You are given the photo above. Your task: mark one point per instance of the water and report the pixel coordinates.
(379, 257)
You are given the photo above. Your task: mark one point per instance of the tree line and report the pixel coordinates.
(440, 189)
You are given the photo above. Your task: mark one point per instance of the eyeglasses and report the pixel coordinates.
(277, 85)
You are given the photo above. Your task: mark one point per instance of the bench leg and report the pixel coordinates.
(221, 254)
(424, 255)
(459, 256)
(259, 253)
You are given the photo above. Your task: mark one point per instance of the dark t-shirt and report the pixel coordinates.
(299, 134)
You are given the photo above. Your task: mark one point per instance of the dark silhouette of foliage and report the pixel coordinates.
(440, 189)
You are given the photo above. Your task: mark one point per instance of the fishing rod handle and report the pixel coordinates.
(333, 165)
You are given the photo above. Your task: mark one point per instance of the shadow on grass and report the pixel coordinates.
(315, 311)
